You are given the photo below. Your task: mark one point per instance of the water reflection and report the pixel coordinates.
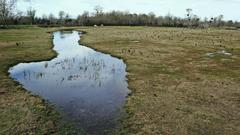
(89, 86)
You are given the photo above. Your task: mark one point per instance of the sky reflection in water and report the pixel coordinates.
(89, 86)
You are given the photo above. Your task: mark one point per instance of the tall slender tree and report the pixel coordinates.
(51, 18)
(219, 19)
(6, 10)
(189, 16)
(98, 9)
(31, 14)
(61, 15)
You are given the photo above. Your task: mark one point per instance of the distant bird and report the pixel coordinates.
(17, 44)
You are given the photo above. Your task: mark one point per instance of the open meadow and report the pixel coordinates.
(182, 81)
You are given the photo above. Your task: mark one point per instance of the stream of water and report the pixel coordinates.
(90, 87)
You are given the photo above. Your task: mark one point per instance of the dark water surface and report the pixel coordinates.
(88, 86)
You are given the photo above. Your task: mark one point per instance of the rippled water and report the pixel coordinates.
(90, 87)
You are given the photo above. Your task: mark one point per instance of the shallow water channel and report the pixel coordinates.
(89, 87)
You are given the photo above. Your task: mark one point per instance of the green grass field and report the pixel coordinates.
(177, 87)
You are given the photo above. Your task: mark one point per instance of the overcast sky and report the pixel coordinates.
(203, 8)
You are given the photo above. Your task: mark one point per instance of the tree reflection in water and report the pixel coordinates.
(89, 86)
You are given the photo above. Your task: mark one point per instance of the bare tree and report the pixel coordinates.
(189, 15)
(152, 17)
(219, 19)
(195, 20)
(84, 18)
(61, 15)
(51, 18)
(6, 10)
(98, 9)
(31, 14)
(68, 20)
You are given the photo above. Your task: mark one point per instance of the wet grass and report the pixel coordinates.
(176, 87)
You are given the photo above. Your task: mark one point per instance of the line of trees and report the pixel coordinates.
(100, 18)
(127, 19)
(6, 10)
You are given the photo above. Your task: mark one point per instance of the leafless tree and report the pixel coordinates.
(6, 10)
(31, 14)
(84, 18)
(51, 18)
(189, 15)
(61, 15)
(98, 9)
(195, 20)
(152, 17)
(219, 19)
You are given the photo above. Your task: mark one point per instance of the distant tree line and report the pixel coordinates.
(127, 19)
(100, 18)
(119, 18)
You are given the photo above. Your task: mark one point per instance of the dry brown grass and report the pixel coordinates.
(176, 87)
(21, 112)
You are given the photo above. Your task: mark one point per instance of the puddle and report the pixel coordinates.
(223, 52)
(135, 41)
(88, 86)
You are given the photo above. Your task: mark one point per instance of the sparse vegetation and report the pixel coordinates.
(20, 111)
(176, 87)
(184, 80)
